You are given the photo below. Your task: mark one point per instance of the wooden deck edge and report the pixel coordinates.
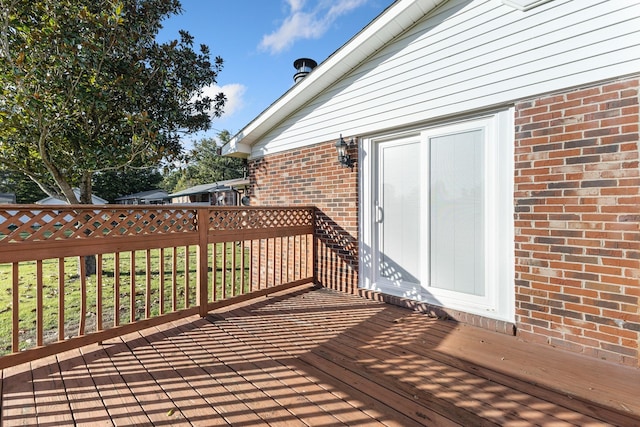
(32, 354)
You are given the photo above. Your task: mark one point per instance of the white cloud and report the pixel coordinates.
(234, 93)
(306, 23)
(235, 98)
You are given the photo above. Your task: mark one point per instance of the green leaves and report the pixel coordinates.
(204, 165)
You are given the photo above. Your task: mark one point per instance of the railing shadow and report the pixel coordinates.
(337, 268)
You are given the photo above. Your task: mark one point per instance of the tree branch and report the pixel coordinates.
(59, 179)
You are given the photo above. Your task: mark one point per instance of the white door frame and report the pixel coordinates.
(499, 303)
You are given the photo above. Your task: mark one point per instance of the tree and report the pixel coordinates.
(85, 89)
(26, 191)
(205, 165)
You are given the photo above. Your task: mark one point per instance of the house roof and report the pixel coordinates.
(7, 198)
(156, 194)
(396, 19)
(95, 200)
(212, 187)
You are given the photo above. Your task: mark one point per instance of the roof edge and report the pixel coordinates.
(396, 19)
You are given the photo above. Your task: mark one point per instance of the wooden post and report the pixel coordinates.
(15, 309)
(314, 242)
(39, 304)
(202, 222)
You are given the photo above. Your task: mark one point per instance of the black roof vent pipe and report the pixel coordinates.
(303, 67)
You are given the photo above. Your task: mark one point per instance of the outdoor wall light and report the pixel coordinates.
(343, 156)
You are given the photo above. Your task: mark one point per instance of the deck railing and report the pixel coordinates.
(153, 264)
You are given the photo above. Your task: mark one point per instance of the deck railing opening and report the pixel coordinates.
(152, 265)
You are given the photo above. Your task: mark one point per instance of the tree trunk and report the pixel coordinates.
(86, 199)
(90, 267)
(85, 188)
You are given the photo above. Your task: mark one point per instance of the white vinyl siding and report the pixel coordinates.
(467, 56)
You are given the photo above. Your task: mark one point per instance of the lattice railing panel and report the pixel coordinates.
(260, 218)
(42, 223)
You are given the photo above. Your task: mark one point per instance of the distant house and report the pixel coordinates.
(493, 173)
(95, 200)
(149, 197)
(231, 192)
(7, 198)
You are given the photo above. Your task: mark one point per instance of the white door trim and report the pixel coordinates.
(499, 301)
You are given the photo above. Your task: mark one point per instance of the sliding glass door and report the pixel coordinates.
(441, 213)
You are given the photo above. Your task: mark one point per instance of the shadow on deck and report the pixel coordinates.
(320, 358)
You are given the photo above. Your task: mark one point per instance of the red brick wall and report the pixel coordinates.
(577, 219)
(312, 176)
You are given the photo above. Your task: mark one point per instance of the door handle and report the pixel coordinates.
(379, 214)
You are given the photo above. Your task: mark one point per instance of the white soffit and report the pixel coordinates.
(399, 17)
(524, 4)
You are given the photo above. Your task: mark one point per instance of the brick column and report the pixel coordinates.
(312, 176)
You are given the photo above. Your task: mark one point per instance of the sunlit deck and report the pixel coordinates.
(320, 358)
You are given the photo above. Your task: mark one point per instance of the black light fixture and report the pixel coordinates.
(343, 155)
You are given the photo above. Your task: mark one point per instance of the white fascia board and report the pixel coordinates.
(396, 19)
(524, 4)
(233, 148)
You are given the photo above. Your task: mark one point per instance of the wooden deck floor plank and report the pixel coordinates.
(86, 406)
(157, 406)
(317, 357)
(607, 384)
(253, 373)
(52, 406)
(353, 412)
(290, 324)
(584, 390)
(228, 367)
(390, 406)
(574, 374)
(311, 371)
(499, 358)
(457, 384)
(493, 370)
(120, 402)
(443, 389)
(201, 398)
(393, 336)
(176, 380)
(300, 326)
(301, 394)
(222, 388)
(18, 401)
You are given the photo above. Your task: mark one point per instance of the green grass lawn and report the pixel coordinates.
(72, 295)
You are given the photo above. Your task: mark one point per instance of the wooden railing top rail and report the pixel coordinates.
(32, 232)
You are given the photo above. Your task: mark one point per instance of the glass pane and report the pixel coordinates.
(457, 212)
(400, 216)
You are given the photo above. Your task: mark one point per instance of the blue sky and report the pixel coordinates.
(259, 40)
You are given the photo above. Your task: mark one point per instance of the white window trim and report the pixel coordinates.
(499, 302)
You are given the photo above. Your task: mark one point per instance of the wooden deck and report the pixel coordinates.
(319, 358)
